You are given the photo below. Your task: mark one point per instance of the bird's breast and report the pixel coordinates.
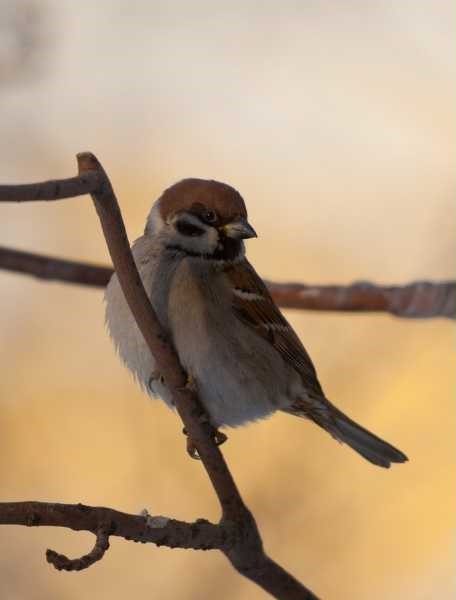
(239, 376)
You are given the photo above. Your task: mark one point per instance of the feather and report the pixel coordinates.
(253, 305)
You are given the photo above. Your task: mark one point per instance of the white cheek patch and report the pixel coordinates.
(212, 238)
(206, 243)
(154, 221)
(203, 244)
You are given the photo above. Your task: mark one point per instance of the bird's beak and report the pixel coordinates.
(240, 229)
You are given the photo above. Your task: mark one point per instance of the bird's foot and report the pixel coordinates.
(192, 450)
(218, 437)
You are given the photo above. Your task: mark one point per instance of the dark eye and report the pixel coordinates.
(209, 216)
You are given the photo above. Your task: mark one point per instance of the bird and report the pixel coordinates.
(241, 354)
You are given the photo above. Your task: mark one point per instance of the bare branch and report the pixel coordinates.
(246, 552)
(56, 269)
(161, 531)
(422, 299)
(55, 189)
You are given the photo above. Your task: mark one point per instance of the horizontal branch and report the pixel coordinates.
(54, 189)
(421, 299)
(158, 530)
(54, 269)
(161, 531)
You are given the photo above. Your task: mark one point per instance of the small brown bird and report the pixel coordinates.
(238, 348)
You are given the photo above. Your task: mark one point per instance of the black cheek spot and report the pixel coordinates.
(230, 248)
(188, 229)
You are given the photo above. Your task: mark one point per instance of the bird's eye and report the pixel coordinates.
(209, 216)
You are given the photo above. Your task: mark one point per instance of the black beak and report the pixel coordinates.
(240, 229)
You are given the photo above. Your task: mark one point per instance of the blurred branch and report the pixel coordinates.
(245, 550)
(421, 299)
(56, 269)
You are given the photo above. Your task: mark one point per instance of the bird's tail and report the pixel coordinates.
(371, 447)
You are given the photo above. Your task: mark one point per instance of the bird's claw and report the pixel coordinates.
(192, 450)
(190, 384)
(218, 437)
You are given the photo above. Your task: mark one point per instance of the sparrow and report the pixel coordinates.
(237, 348)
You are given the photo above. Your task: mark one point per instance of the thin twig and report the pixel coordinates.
(54, 189)
(421, 299)
(54, 269)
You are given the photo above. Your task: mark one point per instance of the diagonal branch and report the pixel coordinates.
(421, 299)
(246, 552)
(184, 398)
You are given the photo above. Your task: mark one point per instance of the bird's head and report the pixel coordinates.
(201, 218)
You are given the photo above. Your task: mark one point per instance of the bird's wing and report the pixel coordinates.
(253, 305)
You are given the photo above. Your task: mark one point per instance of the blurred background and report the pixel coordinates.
(336, 122)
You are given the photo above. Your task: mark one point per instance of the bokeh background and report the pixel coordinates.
(336, 121)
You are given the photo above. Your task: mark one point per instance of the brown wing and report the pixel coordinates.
(253, 305)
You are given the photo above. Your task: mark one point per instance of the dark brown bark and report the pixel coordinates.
(161, 531)
(234, 540)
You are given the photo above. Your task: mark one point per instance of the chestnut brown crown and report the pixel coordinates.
(193, 195)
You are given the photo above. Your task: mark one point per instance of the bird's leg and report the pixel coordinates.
(190, 384)
(191, 448)
(218, 437)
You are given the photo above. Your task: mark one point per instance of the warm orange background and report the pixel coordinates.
(335, 120)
